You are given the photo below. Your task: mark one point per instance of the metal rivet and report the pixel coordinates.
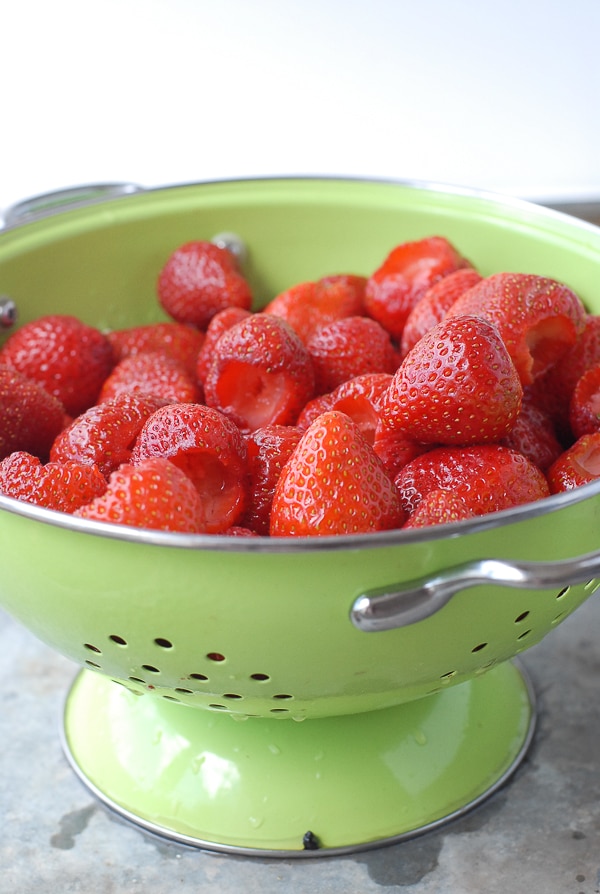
(8, 312)
(233, 244)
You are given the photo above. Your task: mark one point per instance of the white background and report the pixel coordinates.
(501, 96)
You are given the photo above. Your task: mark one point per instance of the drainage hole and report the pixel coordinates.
(479, 647)
(259, 677)
(198, 677)
(521, 617)
(282, 695)
(231, 695)
(92, 648)
(163, 643)
(171, 698)
(448, 676)
(279, 711)
(218, 707)
(184, 691)
(524, 634)
(137, 680)
(215, 656)
(563, 592)
(151, 668)
(117, 639)
(92, 663)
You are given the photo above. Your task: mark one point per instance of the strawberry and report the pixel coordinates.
(198, 280)
(153, 494)
(65, 356)
(30, 417)
(458, 385)
(576, 466)
(61, 486)
(269, 448)
(348, 348)
(260, 374)
(433, 306)
(538, 318)
(534, 435)
(307, 306)
(395, 449)
(220, 323)
(210, 449)
(358, 398)
(105, 434)
(176, 339)
(408, 271)
(154, 372)
(439, 506)
(584, 406)
(487, 477)
(334, 483)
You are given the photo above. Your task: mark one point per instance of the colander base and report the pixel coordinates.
(284, 789)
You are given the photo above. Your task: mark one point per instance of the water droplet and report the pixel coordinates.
(420, 737)
(299, 717)
(239, 717)
(274, 749)
(256, 821)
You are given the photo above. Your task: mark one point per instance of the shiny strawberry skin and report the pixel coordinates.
(488, 477)
(65, 356)
(308, 306)
(261, 373)
(334, 483)
(439, 507)
(152, 372)
(64, 487)
(358, 398)
(538, 318)
(269, 448)
(219, 324)
(408, 271)
(154, 494)
(30, 417)
(175, 339)
(534, 435)
(105, 434)
(344, 349)
(579, 464)
(198, 280)
(210, 449)
(584, 406)
(458, 385)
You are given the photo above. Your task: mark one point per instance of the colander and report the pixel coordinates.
(371, 677)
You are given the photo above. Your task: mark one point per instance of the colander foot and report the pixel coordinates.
(277, 788)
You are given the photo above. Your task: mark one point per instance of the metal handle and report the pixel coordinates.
(65, 200)
(399, 605)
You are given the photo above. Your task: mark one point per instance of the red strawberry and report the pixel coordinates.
(176, 339)
(334, 484)
(152, 373)
(487, 477)
(61, 486)
(153, 494)
(348, 348)
(105, 434)
(358, 398)
(439, 507)
(198, 280)
(534, 435)
(65, 356)
(401, 281)
(458, 385)
(584, 407)
(30, 417)
(261, 373)
(433, 306)
(395, 449)
(269, 448)
(538, 318)
(219, 324)
(578, 465)
(307, 306)
(210, 449)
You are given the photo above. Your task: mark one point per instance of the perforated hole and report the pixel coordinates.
(283, 695)
(171, 698)
(215, 656)
(117, 639)
(521, 617)
(92, 663)
(231, 695)
(563, 593)
(184, 691)
(218, 707)
(202, 677)
(163, 643)
(279, 711)
(479, 647)
(524, 634)
(137, 680)
(92, 648)
(447, 676)
(151, 668)
(260, 677)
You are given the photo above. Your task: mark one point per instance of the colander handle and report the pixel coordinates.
(399, 605)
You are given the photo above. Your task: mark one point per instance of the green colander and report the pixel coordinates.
(293, 697)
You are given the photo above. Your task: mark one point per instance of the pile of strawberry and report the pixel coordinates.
(421, 394)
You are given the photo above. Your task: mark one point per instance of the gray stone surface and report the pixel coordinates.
(540, 833)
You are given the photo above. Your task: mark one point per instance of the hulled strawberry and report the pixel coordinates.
(105, 434)
(408, 271)
(308, 306)
(175, 339)
(358, 398)
(30, 417)
(261, 373)
(438, 507)
(458, 385)
(269, 448)
(198, 280)
(488, 477)
(219, 324)
(64, 487)
(153, 494)
(65, 356)
(538, 318)
(210, 449)
(334, 483)
(576, 466)
(344, 349)
(584, 406)
(152, 372)
(534, 435)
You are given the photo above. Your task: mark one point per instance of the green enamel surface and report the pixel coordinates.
(352, 780)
